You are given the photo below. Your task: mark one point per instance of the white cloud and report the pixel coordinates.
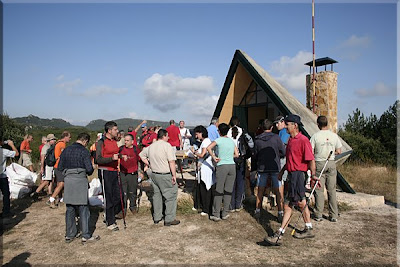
(379, 89)
(355, 41)
(103, 90)
(69, 86)
(353, 47)
(291, 71)
(133, 115)
(191, 95)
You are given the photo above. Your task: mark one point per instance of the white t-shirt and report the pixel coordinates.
(44, 149)
(207, 174)
(324, 142)
(236, 140)
(185, 140)
(6, 154)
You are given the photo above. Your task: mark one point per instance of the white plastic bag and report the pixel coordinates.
(95, 187)
(19, 175)
(96, 200)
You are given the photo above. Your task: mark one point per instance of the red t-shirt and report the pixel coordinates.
(298, 153)
(25, 145)
(131, 165)
(110, 148)
(173, 133)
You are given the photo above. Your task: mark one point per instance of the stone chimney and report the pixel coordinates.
(326, 91)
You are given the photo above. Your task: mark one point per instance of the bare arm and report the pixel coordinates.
(209, 150)
(173, 170)
(11, 144)
(236, 152)
(140, 125)
(180, 140)
(338, 151)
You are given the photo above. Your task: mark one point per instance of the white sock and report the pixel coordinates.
(257, 210)
(52, 199)
(282, 230)
(62, 199)
(309, 225)
(280, 212)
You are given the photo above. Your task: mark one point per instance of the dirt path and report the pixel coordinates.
(363, 236)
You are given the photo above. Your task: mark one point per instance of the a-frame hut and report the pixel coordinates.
(251, 94)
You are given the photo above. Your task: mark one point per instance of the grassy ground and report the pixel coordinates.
(371, 179)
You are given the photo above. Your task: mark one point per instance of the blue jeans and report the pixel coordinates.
(238, 188)
(70, 221)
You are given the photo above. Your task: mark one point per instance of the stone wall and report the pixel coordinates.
(326, 96)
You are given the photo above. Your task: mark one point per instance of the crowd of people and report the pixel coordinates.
(279, 153)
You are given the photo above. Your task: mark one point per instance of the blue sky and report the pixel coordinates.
(86, 61)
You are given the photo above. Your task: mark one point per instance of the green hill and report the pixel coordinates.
(32, 121)
(123, 124)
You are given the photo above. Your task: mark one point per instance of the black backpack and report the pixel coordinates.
(50, 158)
(245, 145)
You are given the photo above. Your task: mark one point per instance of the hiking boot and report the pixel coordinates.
(318, 219)
(174, 222)
(53, 205)
(332, 219)
(280, 217)
(215, 218)
(306, 233)
(34, 195)
(90, 240)
(69, 239)
(276, 238)
(113, 227)
(225, 217)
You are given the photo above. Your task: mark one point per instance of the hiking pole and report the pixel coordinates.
(312, 191)
(120, 196)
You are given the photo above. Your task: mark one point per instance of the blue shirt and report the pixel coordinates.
(212, 132)
(283, 134)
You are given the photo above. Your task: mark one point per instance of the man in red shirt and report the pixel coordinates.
(299, 158)
(134, 132)
(175, 138)
(25, 148)
(107, 154)
(129, 155)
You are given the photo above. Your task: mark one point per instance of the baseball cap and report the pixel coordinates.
(144, 125)
(293, 118)
(278, 119)
(50, 137)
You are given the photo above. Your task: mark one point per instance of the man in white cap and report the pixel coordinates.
(46, 171)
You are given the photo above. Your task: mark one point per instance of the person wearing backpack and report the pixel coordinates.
(129, 155)
(46, 170)
(241, 140)
(58, 149)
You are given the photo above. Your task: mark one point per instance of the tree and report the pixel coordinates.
(11, 130)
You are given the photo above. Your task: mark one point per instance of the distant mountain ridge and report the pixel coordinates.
(34, 122)
(123, 124)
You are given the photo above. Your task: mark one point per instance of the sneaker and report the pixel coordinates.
(79, 234)
(257, 214)
(90, 240)
(215, 218)
(306, 233)
(48, 202)
(225, 217)
(239, 209)
(113, 227)
(332, 219)
(174, 222)
(276, 238)
(119, 216)
(156, 222)
(203, 214)
(232, 210)
(53, 205)
(280, 217)
(34, 195)
(194, 209)
(69, 239)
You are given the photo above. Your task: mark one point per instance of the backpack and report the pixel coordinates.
(245, 145)
(50, 158)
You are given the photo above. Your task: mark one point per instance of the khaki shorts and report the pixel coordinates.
(48, 174)
(26, 160)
